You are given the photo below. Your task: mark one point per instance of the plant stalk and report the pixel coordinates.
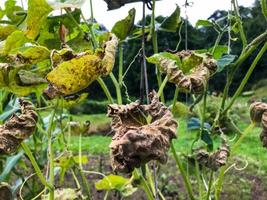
(105, 89)
(183, 173)
(117, 86)
(35, 166)
(51, 150)
(219, 181)
(245, 79)
(155, 46)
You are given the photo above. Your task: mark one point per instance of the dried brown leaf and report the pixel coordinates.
(137, 141)
(17, 128)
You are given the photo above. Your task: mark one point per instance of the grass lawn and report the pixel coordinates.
(250, 149)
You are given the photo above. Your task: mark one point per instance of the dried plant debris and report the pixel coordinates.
(17, 128)
(193, 72)
(215, 160)
(5, 191)
(258, 114)
(71, 76)
(65, 194)
(138, 140)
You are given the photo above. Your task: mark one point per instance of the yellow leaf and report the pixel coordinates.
(76, 74)
(37, 14)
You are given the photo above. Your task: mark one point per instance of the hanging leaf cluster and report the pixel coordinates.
(188, 70)
(142, 133)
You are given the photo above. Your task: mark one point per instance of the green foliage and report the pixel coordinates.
(11, 10)
(5, 31)
(10, 164)
(171, 23)
(13, 41)
(123, 27)
(225, 61)
(115, 182)
(205, 23)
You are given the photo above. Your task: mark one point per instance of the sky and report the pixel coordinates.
(200, 9)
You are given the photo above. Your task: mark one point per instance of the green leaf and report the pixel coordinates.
(38, 11)
(180, 110)
(59, 4)
(111, 182)
(207, 139)
(224, 61)
(2, 13)
(219, 51)
(15, 40)
(10, 164)
(31, 54)
(11, 10)
(5, 31)
(12, 82)
(205, 23)
(29, 78)
(191, 62)
(155, 59)
(123, 27)
(171, 23)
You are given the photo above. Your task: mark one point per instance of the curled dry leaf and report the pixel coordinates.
(215, 160)
(196, 79)
(17, 128)
(137, 141)
(258, 114)
(71, 76)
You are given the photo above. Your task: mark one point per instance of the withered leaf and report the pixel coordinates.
(136, 141)
(215, 160)
(17, 128)
(192, 74)
(258, 113)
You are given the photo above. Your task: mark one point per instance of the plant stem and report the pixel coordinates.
(210, 184)
(120, 64)
(162, 86)
(219, 181)
(155, 46)
(199, 182)
(176, 93)
(51, 151)
(117, 86)
(244, 55)
(247, 76)
(105, 89)
(183, 173)
(217, 42)
(85, 183)
(35, 166)
(74, 20)
(264, 8)
(146, 188)
(239, 23)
